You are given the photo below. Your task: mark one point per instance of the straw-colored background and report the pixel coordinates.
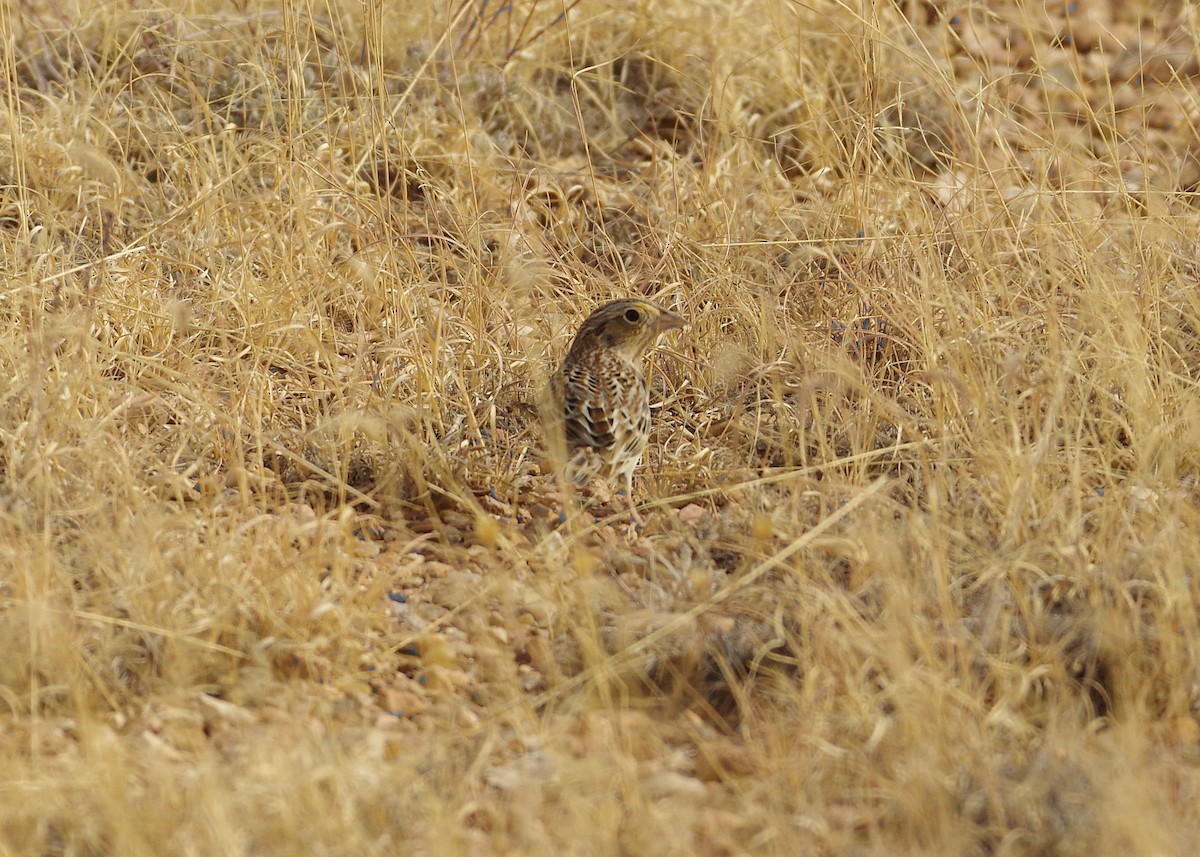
(279, 572)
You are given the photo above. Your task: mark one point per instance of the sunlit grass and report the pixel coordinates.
(281, 564)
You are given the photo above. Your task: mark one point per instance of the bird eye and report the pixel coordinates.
(632, 316)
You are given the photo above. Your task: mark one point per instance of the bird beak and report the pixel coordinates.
(670, 320)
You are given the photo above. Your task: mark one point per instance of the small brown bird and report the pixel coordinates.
(599, 409)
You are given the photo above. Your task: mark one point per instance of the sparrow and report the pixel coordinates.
(598, 411)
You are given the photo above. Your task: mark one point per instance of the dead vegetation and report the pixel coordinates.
(282, 572)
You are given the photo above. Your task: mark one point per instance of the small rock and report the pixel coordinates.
(671, 784)
(534, 768)
(401, 702)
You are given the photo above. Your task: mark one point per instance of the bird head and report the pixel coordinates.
(628, 326)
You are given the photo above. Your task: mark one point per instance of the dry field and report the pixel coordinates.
(282, 571)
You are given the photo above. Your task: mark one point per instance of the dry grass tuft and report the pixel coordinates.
(283, 571)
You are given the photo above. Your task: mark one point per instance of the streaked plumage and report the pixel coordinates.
(599, 409)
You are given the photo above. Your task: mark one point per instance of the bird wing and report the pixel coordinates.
(587, 406)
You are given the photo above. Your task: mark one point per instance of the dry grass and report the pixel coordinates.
(280, 573)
